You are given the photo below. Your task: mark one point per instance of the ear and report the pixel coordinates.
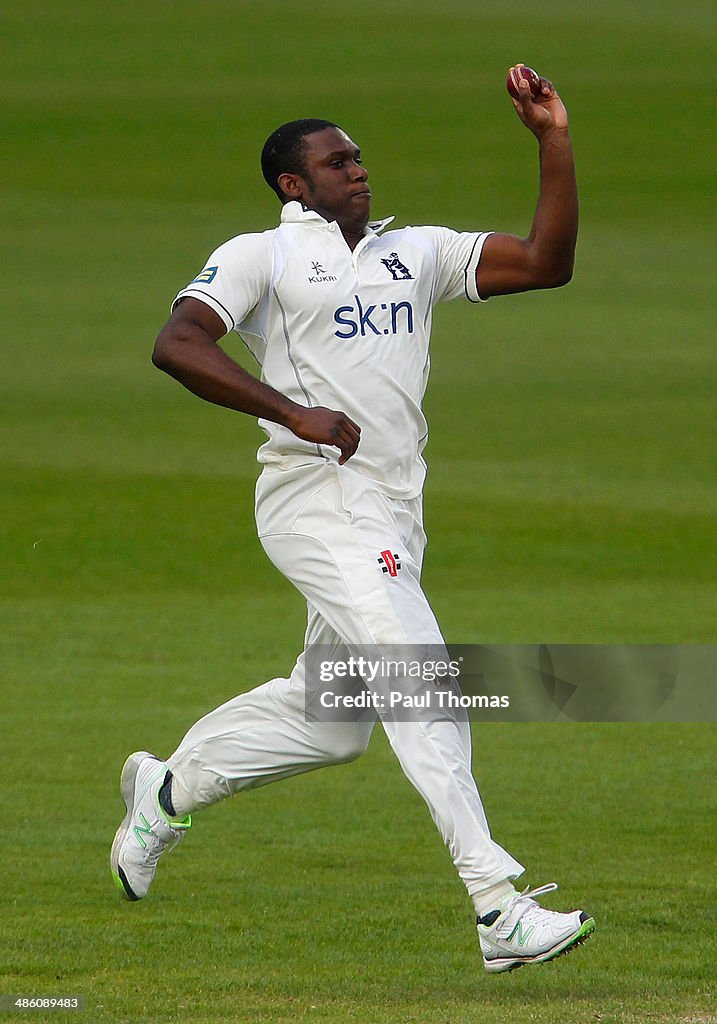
(292, 185)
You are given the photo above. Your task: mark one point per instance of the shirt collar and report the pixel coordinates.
(296, 213)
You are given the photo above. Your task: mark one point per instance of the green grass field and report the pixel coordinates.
(571, 498)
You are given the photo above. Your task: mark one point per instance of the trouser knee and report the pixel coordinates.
(347, 743)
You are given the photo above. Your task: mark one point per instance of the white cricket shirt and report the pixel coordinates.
(347, 330)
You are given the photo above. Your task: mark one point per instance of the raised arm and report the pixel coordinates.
(545, 258)
(187, 350)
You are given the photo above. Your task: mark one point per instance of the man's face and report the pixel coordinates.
(335, 182)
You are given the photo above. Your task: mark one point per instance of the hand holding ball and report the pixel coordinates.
(531, 77)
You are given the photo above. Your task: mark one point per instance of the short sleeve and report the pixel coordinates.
(457, 257)
(234, 278)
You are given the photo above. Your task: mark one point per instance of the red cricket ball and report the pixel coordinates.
(532, 77)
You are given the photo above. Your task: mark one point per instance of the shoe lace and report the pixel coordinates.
(522, 905)
(158, 846)
(528, 893)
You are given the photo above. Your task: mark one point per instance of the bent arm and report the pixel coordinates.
(545, 258)
(187, 349)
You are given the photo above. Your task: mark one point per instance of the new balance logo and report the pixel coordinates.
(399, 272)
(389, 563)
(138, 830)
(521, 936)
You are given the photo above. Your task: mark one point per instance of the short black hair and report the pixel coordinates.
(284, 150)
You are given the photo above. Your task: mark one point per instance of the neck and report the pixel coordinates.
(351, 237)
(352, 230)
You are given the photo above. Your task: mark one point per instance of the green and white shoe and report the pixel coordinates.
(146, 831)
(519, 931)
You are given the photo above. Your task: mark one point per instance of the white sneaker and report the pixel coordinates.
(519, 931)
(146, 831)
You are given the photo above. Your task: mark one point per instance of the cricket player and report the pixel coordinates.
(337, 310)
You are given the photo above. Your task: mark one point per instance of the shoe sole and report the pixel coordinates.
(513, 963)
(128, 778)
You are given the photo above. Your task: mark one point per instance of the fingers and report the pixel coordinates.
(535, 100)
(327, 426)
(526, 85)
(348, 435)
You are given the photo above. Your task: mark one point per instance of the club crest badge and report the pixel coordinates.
(399, 271)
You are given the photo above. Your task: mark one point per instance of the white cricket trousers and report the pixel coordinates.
(325, 526)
